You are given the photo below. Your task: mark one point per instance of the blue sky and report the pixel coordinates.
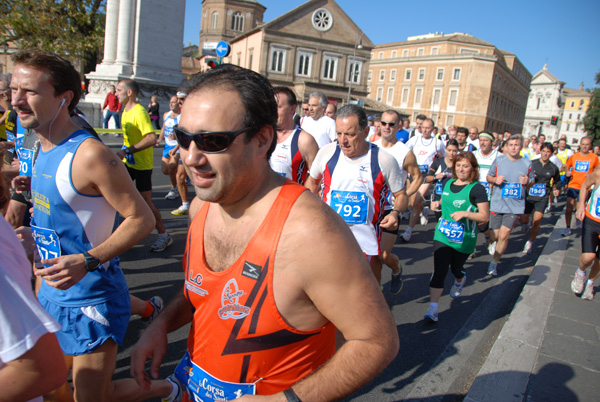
(565, 34)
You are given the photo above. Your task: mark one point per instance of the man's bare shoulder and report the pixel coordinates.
(94, 154)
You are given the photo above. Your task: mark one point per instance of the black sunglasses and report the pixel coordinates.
(210, 142)
(385, 123)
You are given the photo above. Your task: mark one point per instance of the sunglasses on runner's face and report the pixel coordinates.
(210, 142)
(385, 123)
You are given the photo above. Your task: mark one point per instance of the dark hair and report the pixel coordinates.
(392, 111)
(452, 141)
(63, 76)
(547, 145)
(354, 110)
(255, 91)
(469, 157)
(334, 107)
(463, 130)
(420, 117)
(131, 84)
(292, 100)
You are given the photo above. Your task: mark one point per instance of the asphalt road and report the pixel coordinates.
(435, 362)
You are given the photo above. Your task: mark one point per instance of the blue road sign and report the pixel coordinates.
(223, 49)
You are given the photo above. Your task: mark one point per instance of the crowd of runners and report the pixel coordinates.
(264, 312)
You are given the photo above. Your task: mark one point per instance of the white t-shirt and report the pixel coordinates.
(426, 150)
(22, 320)
(323, 129)
(398, 151)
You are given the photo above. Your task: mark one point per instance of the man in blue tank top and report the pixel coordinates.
(78, 189)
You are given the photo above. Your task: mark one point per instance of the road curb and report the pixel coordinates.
(507, 370)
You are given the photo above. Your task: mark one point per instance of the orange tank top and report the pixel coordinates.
(237, 333)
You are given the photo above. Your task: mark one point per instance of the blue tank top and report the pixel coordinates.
(68, 222)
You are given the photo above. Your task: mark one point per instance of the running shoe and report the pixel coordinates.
(180, 211)
(161, 243)
(566, 232)
(472, 255)
(425, 216)
(588, 294)
(492, 248)
(180, 391)
(172, 194)
(457, 288)
(492, 269)
(578, 283)
(397, 281)
(407, 234)
(158, 304)
(432, 315)
(527, 248)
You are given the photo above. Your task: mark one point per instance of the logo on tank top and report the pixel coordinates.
(251, 271)
(458, 203)
(230, 300)
(194, 282)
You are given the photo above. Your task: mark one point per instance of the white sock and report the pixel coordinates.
(174, 391)
(434, 305)
(589, 281)
(409, 230)
(163, 235)
(580, 272)
(185, 205)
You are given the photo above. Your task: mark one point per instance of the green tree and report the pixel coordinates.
(71, 28)
(591, 121)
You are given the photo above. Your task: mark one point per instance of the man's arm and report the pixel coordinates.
(162, 131)
(147, 141)
(40, 370)
(337, 279)
(591, 180)
(96, 171)
(153, 342)
(411, 166)
(308, 148)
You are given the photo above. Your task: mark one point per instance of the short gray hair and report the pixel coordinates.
(515, 137)
(322, 98)
(354, 110)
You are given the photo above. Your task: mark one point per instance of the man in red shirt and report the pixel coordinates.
(114, 107)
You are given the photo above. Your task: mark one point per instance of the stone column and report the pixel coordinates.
(110, 31)
(125, 32)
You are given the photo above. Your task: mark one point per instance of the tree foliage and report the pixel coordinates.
(73, 28)
(591, 120)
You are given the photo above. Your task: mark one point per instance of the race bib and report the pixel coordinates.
(47, 243)
(25, 161)
(488, 188)
(511, 190)
(454, 231)
(598, 207)
(537, 190)
(424, 168)
(352, 206)
(203, 387)
(438, 188)
(582, 166)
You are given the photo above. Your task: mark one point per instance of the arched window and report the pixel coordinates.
(215, 20)
(237, 22)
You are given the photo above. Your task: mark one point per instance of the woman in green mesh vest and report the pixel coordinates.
(464, 204)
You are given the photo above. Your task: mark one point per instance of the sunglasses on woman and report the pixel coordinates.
(210, 142)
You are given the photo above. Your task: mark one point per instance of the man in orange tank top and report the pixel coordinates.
(264, 307)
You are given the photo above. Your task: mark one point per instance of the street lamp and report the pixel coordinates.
(357, 45)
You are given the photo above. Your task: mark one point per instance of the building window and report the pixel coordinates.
(405, 94)
(394, 54)
(453, 97)
(380, 55)
(214, 21)
(408, 74)
(330, 67)
(239, 59)
(421, 51)
(469, 51)
(421, 76)
(449, 120)
(354, 70)
(538, 102)
(250, 54)
(437, 96)
(379, 94)
(568, 127)
(393, 75)
(572, 103)
(390, 96)
(304, 64)
(434, 51)
(405, 53)
(570, 116)
(322, 20)
(456, 75)
(278, 60)
(440, 74)
(370, 75)
(381, 75)
(434, 117)
(418, 96)
(237, 22)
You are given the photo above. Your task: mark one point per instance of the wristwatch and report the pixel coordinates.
(128, 151)
(91, 263)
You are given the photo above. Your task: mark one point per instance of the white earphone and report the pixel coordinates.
(62, 102)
